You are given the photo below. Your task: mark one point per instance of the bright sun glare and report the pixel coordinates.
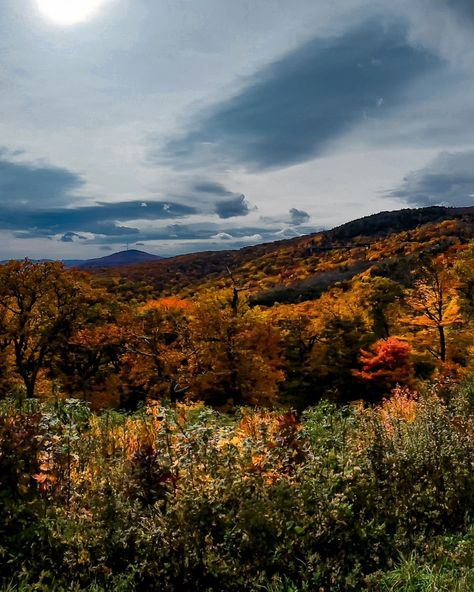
(66, 13)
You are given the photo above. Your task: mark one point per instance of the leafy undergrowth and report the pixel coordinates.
(183, 498)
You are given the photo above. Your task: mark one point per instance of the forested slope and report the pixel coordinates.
(300, 268)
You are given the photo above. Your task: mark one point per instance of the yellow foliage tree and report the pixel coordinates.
(39, 306)
(236, 356)
(434, 306)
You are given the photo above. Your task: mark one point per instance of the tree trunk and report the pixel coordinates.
(30, 384)
(442, 343)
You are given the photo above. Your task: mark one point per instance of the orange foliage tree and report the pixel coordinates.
(300, 335)
(157, 349)
(464, 273)
(236, 356)
(342, 330)
(379, 296)
(89, 364)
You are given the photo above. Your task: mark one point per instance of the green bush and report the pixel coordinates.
(187, 499)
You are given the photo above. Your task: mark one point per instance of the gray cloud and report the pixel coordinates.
(36, 183)
(212, 188)
(69, 237)
(106, 228)
(299, 216)
(216, 198)
(230, 208)
(196, 231)
(103, 218)
(292, 108)
(464, 8)
(449, 179)
(32, 205)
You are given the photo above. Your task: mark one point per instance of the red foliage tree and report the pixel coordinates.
(386, 364)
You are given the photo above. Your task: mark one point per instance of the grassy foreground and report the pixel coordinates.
(185, 498)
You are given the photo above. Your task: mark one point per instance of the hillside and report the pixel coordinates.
(301, 268)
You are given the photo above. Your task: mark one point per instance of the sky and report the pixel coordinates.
(176, 126)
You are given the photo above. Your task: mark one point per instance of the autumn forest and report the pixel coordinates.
(291, 416)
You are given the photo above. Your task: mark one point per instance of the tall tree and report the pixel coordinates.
(236, 355)
(39, 303)
(342, 330)
(379, 296)
(156, 349)
(299, 337)
(464, 273)
(434, 304)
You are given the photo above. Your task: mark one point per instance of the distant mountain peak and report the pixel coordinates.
(128, 257)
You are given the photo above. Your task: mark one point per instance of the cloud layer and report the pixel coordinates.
(34, 198)
(291, 109)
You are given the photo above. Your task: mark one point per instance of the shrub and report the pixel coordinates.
(184, 498)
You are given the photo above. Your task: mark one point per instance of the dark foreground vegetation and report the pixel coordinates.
(184, 498)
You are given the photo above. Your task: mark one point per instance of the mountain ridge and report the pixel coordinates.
(300, 267)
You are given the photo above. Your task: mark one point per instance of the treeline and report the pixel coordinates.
(62, 336)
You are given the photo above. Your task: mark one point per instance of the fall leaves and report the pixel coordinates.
(60, 336)
(56, 328)
(40, 306)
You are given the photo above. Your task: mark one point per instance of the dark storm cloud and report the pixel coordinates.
(299, 216)
(449, 179)
(104, 218)
(37, 184)
(230, 208)
(292, 108)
